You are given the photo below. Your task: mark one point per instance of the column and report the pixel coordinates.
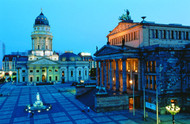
(152, 82)
(83, 72)
(104, 71)
(107, 74)
(76, 79)
(148, 82)
(17, 75)
(67, 74)
(34, 73)
(110, 74)
(100, 73)
(124, 74)
(47, 74)
(60, 74)
(40, 70)
(97, 73)
(117, 75)
(53, 77)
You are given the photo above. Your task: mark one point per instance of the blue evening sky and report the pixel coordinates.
(81, 25)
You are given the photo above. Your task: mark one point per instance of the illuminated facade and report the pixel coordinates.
(154, 56)
(43, 64)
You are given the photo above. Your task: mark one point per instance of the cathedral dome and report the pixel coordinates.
(41, 20)
(69, 56)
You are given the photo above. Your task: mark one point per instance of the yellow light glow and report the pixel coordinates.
(10, 73)
(113, 78)
(135, 70)
(39, 111)
(130, 81)
(128, 70)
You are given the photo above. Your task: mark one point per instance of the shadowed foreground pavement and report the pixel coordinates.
(66, 109)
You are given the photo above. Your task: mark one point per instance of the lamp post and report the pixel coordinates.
(131, 82)
(173, 110)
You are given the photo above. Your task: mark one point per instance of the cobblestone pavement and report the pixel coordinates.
(66, 109)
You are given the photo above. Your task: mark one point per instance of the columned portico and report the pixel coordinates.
(124, 75)
(117, 75)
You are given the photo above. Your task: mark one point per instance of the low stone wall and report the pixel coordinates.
(80, 90)
(109, 103)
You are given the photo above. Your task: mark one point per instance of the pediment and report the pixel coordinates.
(43, 62)
(106, 50)
(121, 27)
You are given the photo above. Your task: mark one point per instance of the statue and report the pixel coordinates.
(38, 96)
(125, 17)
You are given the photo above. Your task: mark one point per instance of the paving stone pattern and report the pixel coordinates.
(66, 109)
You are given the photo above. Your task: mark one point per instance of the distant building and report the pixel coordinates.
(153, 57)
(88, 57)
(20, 53)
(2, 53)
(42, 64)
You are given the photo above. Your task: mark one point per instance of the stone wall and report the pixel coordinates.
(80, 90)
(109, 103)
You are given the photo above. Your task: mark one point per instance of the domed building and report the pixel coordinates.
(43, 64)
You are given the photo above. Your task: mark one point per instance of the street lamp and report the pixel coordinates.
(173, 110)
(131, 82)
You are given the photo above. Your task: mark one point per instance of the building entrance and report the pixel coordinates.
(43, 78)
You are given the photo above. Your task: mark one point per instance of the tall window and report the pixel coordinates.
(164, 34)
(156, 33)
(38, 46)
(23, 79)
(79, 73)
(55, 78)
(180, 35)
(187, 36)
(85, 72)
(71, 73)
(30, 79)
(172, 35)
(49, 78)
(63, 73)
(37, 78)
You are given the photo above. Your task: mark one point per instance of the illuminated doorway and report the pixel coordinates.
(43, 78)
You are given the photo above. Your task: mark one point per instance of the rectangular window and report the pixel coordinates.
(37, 79)
(43, 70)
(79, 73)
(85, 72)
(156, 34)
(56, 70)
(30, 79)
(23, 71)
(172, 34)
(179, 35)
(154, 82)
(23, 79)
(50, 70)
(164, 34)
(146, 81)
(31, 71)
(151, 66)
(151, 82)
(187, 35)
(55, 78)
(71, 73)
(49, 78)
(37, 70)
(147, 66)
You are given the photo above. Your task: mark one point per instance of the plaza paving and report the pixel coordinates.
(66, 109)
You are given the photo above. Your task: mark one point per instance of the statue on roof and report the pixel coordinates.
(125, 17)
